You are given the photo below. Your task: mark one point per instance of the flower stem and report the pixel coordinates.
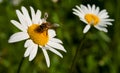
(76, 54)
(20, 65)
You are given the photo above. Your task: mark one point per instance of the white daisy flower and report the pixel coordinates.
(1, 1)
(91, 15)
(36, 32)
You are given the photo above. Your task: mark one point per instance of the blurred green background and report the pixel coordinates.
(100, 52)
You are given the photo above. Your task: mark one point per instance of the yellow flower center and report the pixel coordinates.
(92, 19)
(38, 34)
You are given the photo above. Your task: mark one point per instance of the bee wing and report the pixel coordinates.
(56, 25)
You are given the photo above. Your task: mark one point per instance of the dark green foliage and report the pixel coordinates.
(100, 52)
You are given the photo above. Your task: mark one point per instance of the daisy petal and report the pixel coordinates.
(101, 28)
(28, 51)
(46, 57)
(78, 14)
(33, 52)
(89, 8)
(102, 12)
(103, 15)
(107, 20)
(97, 10)
(28, 43)
(19, 36)
(21, 18)
(26, 15)
(56, 45)
(51, 33)
(32, 14)
(75, 10)
(56, 40)
(93, 8)
(18, 25)
(84, 8)
(101, 25)
(38, 16)
(87, 27)
(108, 23)
(54, 51)
(84, 21)
(80, 10)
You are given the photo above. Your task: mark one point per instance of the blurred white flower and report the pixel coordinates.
(36, 33)
(91, 15)
(1, 1)
(16, 2)
(55, 1)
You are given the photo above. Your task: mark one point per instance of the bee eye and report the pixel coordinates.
(43, 25)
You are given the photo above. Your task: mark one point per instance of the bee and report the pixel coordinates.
(46, 25)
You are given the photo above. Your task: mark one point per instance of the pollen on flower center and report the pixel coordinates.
(92, 19)
(38, 34)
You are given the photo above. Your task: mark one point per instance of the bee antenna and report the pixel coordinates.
(45, 15)
(56, 25)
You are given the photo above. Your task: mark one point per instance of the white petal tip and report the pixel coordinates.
(31, 7)
(48, 66)
(65, 51)
(73, 9)
(112, 20)
(87, 27)
(61, 56)
(30, 59)
(106, 31)
(25, 55)
(11, 20)
(84, 32)
(10, 41)
(23, 6)
(17, 11)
